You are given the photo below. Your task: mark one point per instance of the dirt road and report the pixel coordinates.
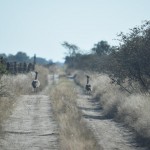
(31, 125)
(109, 134)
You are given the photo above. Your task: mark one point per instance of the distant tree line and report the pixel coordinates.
(23, 57)
(20, 63)
(128, 61)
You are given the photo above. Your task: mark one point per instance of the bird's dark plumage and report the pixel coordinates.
(88, 87)
(36, 82)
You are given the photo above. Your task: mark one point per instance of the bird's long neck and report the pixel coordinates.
(87, 80)
(36, 76)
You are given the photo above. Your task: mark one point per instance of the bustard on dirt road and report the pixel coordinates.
(36, 82)
(88, 86)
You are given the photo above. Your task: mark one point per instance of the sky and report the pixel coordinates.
(41, 26)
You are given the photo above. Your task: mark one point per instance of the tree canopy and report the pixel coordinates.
(101, 48)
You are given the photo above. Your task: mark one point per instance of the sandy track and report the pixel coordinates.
(31, 125)
(109, 134)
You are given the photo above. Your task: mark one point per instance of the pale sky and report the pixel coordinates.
(41, 26)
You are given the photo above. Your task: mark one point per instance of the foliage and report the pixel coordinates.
(72, 49)
(133, 58)
(72, 55)
(101, 48)
(23, 57)
(2, 66)
(2, 69)
(130, 60)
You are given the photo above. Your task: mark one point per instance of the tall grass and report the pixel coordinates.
(131, 109)
(6, 101)
(18, 84)
(12, 86)
(73, 133)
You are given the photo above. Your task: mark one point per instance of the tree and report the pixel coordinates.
(133, 58)
(11, 58)
(101, 48)
(72, 49)
(2, 66)
(71, 54)
(21, 57)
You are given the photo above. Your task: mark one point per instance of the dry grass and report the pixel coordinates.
(73, 133)
(6, 105)
(12, 86)
(8, 95)
(135, 112)
(132, 109)
(17, 85)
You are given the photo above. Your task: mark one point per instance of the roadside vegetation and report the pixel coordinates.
(131, 109)
(120, 77)
(72, 130)
(12, 86)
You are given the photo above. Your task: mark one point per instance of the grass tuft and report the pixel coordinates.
(73, 132)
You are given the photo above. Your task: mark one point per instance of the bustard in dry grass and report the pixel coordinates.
(88, 86)
(36, 82)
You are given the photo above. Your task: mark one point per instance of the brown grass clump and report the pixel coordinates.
(18, 84)
(135, 112)
(73, 133)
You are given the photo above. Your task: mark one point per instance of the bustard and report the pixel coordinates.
(88, 86)
(36, 82)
